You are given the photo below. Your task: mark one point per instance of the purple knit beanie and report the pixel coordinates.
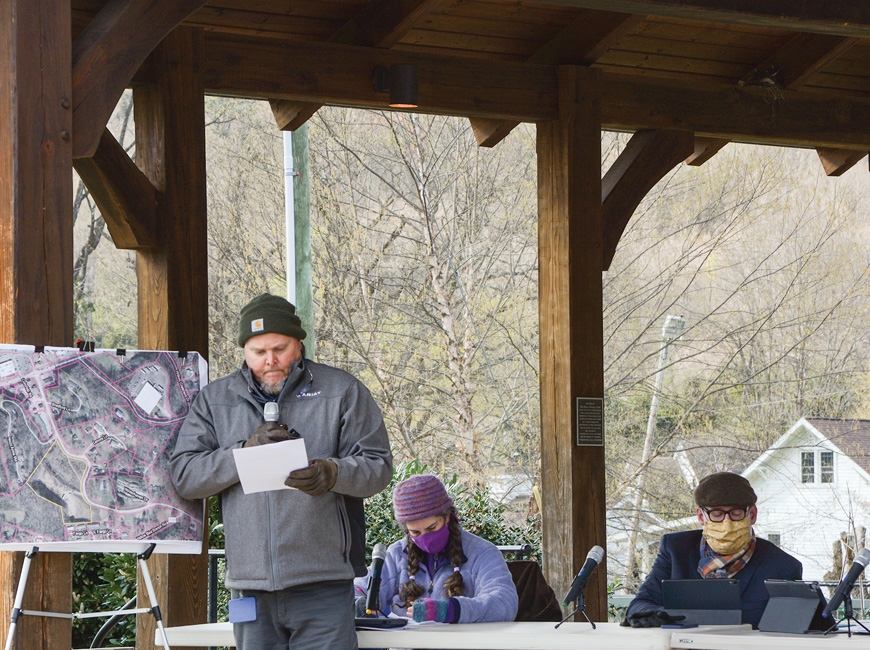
(419, 497)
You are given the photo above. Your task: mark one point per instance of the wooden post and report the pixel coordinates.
(571, 336)
(173, 276)
(36, 250)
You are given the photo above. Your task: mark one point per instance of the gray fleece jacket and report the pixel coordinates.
(284, 538)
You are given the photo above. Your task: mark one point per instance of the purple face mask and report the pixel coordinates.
(435, 542)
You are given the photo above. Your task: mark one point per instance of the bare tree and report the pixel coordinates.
(429, 241)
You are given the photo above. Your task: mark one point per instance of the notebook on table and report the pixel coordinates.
(703, 602)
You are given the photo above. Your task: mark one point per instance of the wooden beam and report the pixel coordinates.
(328, 73)
(378, 24)
(791, 66)
(746, 114)
(581, 43)
(290, 115)
(705, 148)
(524, 92)
(841, 17)
(647, 157)
(36, 252)
(107, 54)
(838, 161)
(173, 276)
(383, 23)
(126, 198)
(571, 331)
(796, 62)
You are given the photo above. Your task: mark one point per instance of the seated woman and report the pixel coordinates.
(440, 572)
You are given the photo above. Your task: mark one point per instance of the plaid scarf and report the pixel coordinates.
(713, 565)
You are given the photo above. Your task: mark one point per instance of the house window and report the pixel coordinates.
(808, 467)
(817, 467)
(826, 466)
(775, 539)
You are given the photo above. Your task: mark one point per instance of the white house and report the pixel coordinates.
(813, 487)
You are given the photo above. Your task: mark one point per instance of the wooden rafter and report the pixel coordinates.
(380, 24)
(340, 74)
(842, 17)
(580, 43)
(647, 157)
(126, 198)
(705, 148)
(792, 65)
(838, 161)
(107, 54)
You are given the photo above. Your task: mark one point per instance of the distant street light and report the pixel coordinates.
(672, 329)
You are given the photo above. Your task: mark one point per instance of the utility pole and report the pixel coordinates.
(672, 329)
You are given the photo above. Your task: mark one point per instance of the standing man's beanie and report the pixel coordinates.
(724, 489)
(420, 497)
(267, 314)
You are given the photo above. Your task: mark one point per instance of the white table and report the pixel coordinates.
(475, 636)
(734, 638)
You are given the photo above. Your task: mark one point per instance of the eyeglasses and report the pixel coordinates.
(735, 514)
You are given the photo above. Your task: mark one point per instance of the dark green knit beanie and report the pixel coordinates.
(268, 314)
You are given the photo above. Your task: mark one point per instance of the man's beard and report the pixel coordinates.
(272, 388)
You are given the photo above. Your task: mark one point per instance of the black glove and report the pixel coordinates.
(267, 433)
(316, 479)
(651, 618)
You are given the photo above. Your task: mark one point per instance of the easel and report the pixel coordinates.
(146, 578)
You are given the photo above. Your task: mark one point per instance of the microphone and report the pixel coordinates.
(862, 559)
(593, 559)
(271, 411)
(379, 553)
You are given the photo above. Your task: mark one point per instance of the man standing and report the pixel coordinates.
(726, 547)
(294, 552)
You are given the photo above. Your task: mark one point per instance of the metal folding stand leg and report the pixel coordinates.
(19, 595)
(146, 578)
(155, 608)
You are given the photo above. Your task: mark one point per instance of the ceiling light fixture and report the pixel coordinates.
(400, 81)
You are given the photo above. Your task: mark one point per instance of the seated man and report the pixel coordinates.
(725, 548)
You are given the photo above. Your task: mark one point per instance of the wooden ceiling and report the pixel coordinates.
(766, 71)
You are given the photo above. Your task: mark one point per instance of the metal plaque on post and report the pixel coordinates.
(590, 422)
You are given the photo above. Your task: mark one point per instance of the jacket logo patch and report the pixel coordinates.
(307, 394)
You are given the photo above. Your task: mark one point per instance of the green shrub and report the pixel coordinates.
(103, 582)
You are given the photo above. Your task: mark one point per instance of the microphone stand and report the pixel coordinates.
(581, 607)
(848, 616)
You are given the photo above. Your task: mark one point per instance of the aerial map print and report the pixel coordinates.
(85, 439)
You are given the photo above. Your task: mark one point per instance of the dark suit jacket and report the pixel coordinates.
(679, 554)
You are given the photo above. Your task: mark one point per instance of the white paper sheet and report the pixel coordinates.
(265, 467)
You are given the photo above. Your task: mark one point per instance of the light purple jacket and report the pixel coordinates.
(490, 594)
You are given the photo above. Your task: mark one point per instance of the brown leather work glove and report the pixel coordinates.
(267, 433)
(316, 479)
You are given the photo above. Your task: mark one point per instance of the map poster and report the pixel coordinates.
(85, 441)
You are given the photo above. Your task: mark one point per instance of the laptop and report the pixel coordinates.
(794, 607)
(703, 602)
